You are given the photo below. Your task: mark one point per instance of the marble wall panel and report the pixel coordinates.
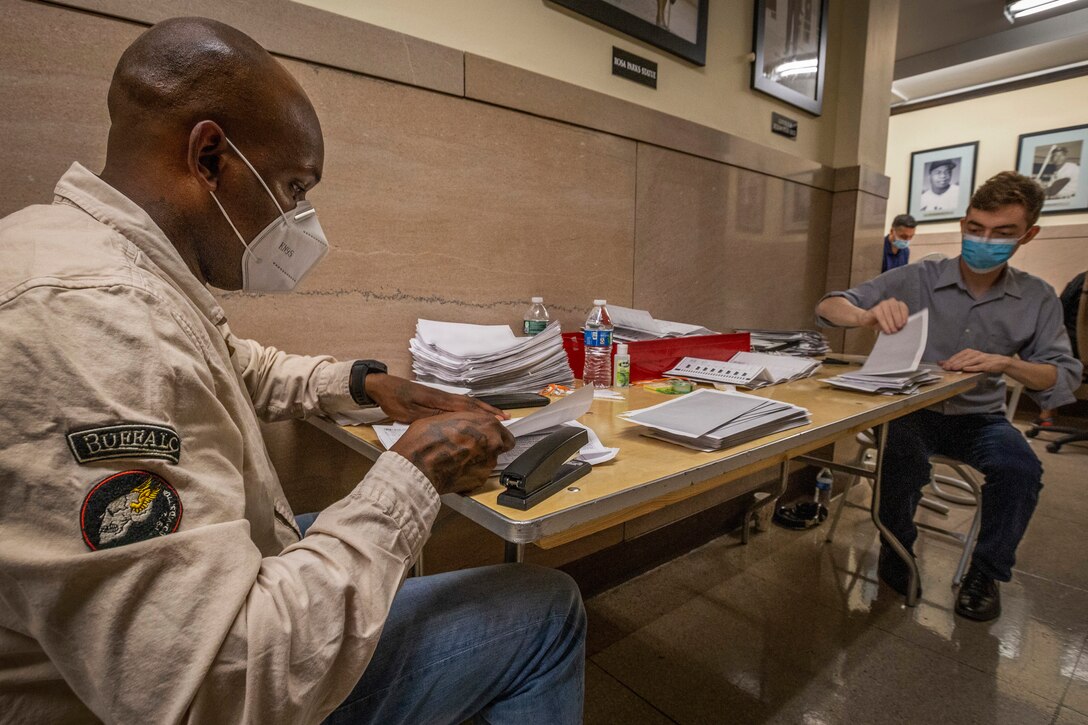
(55, 69)
(298, 31)
(448, 209)
(726, 247)
(505, 85)
(854, 255)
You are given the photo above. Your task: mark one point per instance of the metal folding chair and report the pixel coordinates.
(968, 485)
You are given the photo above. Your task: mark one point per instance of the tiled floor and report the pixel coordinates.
(790, 629)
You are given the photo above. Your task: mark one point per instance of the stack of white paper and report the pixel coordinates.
(747, 369)
(894, 366)
(634, 325)
(488, 358)
(710, 420)
(801, 343)
(532, 428)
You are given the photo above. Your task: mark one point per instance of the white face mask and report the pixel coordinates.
(284, 251)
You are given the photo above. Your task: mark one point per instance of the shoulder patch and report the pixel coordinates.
(125, 440)
(128, 507)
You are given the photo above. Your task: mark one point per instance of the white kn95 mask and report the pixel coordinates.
(285, 251)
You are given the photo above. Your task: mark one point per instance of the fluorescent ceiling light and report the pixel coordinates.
(1020, 8)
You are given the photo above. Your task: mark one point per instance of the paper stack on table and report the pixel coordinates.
(710, 420)
(893, 366)
(637, 325)
(532, 428)
(747, 369)
(799, 343)
(488, 358)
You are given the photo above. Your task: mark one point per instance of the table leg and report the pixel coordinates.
(514, 553)
(881, 432)
(749, 515)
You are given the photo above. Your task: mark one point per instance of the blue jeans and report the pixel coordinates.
(987, 442)
(504, 644)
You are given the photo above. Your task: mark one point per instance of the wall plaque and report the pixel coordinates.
(632, 67)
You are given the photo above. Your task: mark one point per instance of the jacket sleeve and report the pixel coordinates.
(192, 625)
(284, 386)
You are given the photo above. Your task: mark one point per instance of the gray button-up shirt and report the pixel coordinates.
(1019, 315)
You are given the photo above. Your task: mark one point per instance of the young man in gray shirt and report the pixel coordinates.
(984, 316)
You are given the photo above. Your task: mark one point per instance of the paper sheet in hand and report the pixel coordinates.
(532, 428)
(902, 351)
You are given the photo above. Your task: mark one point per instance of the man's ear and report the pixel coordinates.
(207, 144)
(1030, 235)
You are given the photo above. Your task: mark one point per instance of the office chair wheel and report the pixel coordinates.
(1054, 447)
(1031, 432)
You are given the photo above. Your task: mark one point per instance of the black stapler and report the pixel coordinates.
(543, 469)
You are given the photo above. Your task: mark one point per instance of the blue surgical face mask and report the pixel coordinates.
(900, 243)
(982, 255)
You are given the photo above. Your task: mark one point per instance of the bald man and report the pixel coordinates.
(150, 568)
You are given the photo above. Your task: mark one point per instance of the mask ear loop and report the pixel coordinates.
(283, 214)
(267, 190)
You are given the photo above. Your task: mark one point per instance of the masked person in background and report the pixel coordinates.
(986, 317)
(152, 569)
(897, 242)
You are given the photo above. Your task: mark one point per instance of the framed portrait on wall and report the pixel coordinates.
(1055, 159)
(677, 26)
(941, 182)
(790, 48)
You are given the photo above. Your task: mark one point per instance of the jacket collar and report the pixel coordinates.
(88, 192)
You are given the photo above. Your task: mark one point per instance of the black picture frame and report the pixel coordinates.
(949, 202)
(1035, 157)
(613, 14)
(785, 52)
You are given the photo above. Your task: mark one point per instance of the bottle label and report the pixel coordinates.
(534, 327)
(597, 338)
(623, 374)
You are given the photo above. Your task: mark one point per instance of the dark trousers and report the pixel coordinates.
(986, 442)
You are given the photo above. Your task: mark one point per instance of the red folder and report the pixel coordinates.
(650, 358)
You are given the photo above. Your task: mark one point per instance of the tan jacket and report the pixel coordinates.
(181, 591)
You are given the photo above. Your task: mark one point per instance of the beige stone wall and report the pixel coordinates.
(455, 187)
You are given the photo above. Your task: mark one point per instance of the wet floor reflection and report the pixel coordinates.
(792, 629)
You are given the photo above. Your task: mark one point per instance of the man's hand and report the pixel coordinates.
(455, 451)
(888, 316)
(973, 361)
(405, 401)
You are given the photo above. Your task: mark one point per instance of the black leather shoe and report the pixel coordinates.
(979, 598)
(894, 572)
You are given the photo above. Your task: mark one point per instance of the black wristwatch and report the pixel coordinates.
(357, 379)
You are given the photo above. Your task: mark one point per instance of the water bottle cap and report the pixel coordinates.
(600, 303)
(621, 348)
(536, 300)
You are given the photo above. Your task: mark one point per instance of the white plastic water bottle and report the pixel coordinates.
(824, 479)
(597, 338)
(536, 317)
